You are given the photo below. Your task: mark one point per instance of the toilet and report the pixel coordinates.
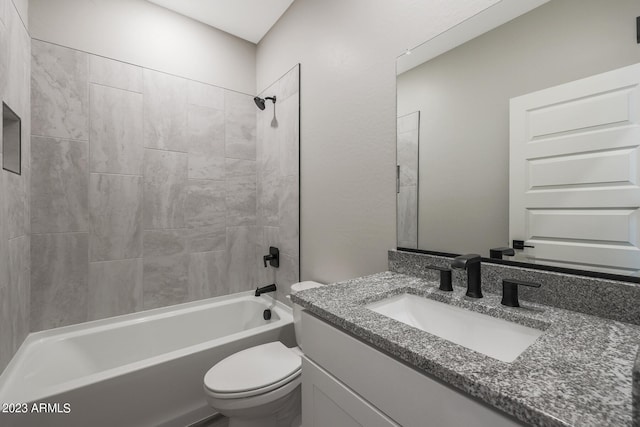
(260, 386)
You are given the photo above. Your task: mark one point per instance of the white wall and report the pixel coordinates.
(347, 51)
(144, 34)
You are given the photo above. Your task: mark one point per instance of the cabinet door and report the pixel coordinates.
(328, 402)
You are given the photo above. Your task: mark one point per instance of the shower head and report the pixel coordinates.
(260, 102)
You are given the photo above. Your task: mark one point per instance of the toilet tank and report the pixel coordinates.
(297, 287)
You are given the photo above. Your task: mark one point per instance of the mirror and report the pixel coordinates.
(461, 84)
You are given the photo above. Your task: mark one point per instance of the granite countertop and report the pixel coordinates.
(577, 373)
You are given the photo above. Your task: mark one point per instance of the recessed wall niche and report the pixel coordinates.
(11, 140)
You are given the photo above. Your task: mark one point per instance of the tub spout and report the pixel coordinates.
(265, 289)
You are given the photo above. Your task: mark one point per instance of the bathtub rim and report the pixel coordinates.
(283, 311)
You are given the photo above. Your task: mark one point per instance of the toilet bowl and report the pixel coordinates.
(260, 386)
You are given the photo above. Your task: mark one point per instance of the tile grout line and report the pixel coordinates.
(112, 87)
(142, 67)
(33, 135)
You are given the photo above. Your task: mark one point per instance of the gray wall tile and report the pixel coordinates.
(267, 236)
(116, 74)
(289, 135)
(240, 126)
(59, 92)
(7, 318)
(19, 287)
(16, 191)
(290, 217)
(407, 215)
(165, 176)
(241, 262)
(158, 243)
(115, 288)
(59, 186)
(241, 173)
(269, 191)
(241, 192)
(165, 111)
(207, 275)
(205, 213)
(116, 131)
(115, 203)
(59, 279)
(206, 143)
(166, 268)
(165, 280)
(206, 166)
(407, 157)
(205, 95)
(199, 195)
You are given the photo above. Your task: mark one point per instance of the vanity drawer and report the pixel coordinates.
(328, 402)
(405, 395)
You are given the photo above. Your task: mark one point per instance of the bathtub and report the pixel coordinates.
(141, 369)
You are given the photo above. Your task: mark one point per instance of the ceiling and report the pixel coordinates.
(247, 19)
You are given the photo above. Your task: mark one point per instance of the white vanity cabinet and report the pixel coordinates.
(328, 402)
(346, 382)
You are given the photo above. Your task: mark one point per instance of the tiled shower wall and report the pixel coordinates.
(144, 189)
(278, 181)
(408, 142)
(15, 63)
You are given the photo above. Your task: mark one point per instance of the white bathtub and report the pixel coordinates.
(141, 369)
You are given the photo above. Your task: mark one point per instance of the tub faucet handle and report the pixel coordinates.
(273, 257)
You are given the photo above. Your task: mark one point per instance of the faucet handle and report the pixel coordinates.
(498, 253)
(462, 261)
(273, 257)
(445, 277)
(510, 291)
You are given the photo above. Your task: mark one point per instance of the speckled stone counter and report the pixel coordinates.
(577, 373)
(615, 300)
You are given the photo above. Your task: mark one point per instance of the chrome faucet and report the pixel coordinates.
(471, 263)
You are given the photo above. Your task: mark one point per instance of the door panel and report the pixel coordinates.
(574, 173)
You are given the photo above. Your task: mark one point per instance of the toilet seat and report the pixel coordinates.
(254, 371)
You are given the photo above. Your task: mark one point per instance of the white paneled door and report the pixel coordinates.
(574, 170)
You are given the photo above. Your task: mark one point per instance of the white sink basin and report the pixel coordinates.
(497, 338)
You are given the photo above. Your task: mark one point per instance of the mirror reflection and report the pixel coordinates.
(553, 88)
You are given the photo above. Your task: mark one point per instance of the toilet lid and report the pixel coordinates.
(253, 369)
